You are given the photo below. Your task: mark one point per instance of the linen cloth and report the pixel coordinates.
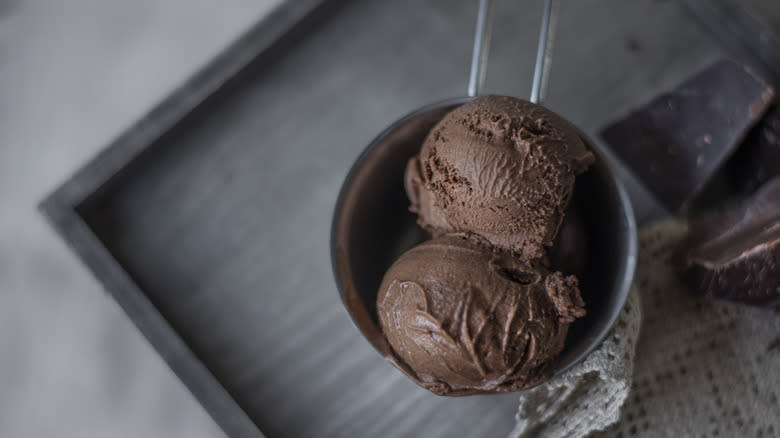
(699, 367)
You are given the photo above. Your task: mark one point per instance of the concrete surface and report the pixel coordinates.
(73, 75)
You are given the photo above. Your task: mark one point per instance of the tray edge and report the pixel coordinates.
(60, 207)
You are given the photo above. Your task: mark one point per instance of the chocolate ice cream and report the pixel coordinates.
(500, 167)
(478, 309)
(465, 318)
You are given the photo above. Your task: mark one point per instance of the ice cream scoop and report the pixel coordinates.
(372, 228)
(467, 319)
(501, 167)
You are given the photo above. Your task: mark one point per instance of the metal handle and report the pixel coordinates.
(544, 51)
(481, 46)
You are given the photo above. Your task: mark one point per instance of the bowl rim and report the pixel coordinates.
(632, 243)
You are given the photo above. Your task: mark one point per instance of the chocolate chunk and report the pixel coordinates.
(678, 141)
(734, 253)
(758, 159)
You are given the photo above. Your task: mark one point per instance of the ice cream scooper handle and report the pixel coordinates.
(479, 53)
(543, 52)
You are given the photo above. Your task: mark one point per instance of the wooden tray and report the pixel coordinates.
(208, 221)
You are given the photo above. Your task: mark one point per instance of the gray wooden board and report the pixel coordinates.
(209, 221)
(767, 11)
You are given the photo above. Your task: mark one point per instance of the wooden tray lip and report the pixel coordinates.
(61, 207)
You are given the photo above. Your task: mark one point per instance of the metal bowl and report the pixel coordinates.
(372, 227)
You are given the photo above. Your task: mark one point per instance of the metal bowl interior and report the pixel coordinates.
(372, 227)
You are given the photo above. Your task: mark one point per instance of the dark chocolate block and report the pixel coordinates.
(758, 159)
(678, 141)
(734, 254)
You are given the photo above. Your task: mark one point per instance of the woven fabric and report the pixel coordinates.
(702, 368)
(589, 396)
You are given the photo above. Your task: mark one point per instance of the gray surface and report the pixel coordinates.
(73, 75)
(767, 11)
(65, 205)
(78, 73)
(253, 177)
(744, 30)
